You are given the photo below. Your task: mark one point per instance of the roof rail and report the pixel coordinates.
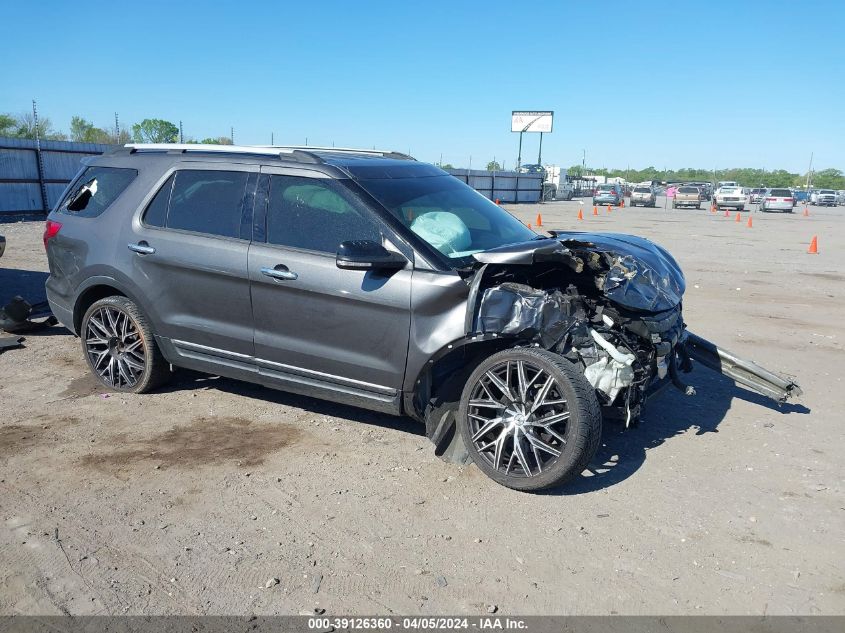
(281, 153)
(299, 153)
(385, 153)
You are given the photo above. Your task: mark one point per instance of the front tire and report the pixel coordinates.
(120, 348)
(529, 419)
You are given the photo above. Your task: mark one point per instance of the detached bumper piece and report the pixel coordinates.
(19, 316)
(745, 372)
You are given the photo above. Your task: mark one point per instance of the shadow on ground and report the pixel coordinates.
(28, 284)
(624, 451)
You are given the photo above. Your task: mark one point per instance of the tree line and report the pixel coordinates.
(162, 131)
(84, 131)
(745, 176)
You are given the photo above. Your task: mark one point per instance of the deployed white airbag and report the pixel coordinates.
(443, 230)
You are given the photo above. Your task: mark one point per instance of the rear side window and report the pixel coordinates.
(201, 201)
(96, 189)
(315, 215)
(156, 213)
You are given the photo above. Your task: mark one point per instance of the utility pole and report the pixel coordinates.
(116, 130)
(181, 135)
(39, 159)
(232, 135)
(272, 140)
(809, 172)
(540, 153)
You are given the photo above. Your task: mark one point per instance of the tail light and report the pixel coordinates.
(771, 199)
(51, 230)
(787, 199)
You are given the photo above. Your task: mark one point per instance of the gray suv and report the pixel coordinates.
(374, 280)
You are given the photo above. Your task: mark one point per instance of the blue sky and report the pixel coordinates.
(670, 84)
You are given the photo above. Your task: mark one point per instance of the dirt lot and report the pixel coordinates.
(191, 499)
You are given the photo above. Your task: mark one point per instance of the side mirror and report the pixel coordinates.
(368, 255)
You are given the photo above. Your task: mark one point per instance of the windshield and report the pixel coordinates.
(826, 192)
(452, 217)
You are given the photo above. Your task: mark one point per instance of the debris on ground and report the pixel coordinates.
(19, 316)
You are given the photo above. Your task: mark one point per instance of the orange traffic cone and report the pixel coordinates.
(806, 212)
(749, 222)
(529, 225)
(727, 213)
(608, 209)
(539, 220)
(814, 246)
(580, 214)
(595, 210)
(738, 218)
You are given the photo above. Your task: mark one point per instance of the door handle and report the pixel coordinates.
(141, 248)
(280, 272)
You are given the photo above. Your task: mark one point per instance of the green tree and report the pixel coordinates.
(155, 131)
(220, 140)
(493, 166)
(828, 179)
(8, 125)
(447, 166)
(84, 131)
(25, 128)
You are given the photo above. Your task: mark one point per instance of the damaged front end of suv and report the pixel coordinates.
(610, 307)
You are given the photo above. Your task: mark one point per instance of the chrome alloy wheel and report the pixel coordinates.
(115, 347)
(518, 418)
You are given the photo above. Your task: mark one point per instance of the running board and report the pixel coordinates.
(745, 372)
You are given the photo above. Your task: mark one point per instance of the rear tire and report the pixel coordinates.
(529, 419)
(120, 348)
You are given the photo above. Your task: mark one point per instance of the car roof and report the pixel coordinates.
(332, 161)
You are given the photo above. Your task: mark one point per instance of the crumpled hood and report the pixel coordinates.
(639, 274)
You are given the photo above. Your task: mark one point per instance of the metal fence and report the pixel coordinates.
(506, 186)
(32, 180)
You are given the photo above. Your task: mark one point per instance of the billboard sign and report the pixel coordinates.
(531, 121)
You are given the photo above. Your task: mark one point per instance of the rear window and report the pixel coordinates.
(606, 187)
(96, 189)
(781, 193)
(728, 190)
(642, 190)
(688, 190)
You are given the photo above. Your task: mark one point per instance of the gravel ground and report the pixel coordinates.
(218, 497)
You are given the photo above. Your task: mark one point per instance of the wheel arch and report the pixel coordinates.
(94, 289)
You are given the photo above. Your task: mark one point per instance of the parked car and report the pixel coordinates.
(608, 193)
(756, 195)
(371, 279)
(777, 200)
(729, 197)
(824, 198)
(840, 197)
(687, 197)
(643, 195)
(2, 245)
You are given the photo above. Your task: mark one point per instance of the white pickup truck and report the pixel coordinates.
(730, 197)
